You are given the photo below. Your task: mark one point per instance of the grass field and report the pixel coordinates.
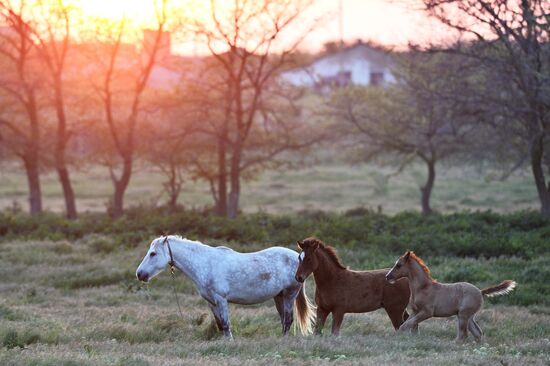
(70, 303)
(325, 187)
(68, 295)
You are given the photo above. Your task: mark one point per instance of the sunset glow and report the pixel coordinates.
(138, 11)
(392, 23)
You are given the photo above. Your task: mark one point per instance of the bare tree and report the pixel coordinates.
(246, 43)
(19, 82)
(422, 116)
(51, 30)
(173, 149)
(122, 85)
(510, 41)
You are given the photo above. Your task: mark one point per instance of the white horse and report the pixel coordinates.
(222, 275)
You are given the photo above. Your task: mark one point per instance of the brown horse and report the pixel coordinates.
(340, 290)
(430, 298)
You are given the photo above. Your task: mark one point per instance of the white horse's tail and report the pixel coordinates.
(305, 312)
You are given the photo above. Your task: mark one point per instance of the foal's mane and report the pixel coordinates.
(421, 264)
(331, 252)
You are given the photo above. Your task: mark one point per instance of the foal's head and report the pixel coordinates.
(307, 258)
(402, 267)
(155, 260)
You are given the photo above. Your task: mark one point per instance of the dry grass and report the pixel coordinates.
(327, 187)
(61, 306)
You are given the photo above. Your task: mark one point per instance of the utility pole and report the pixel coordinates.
(341, 33)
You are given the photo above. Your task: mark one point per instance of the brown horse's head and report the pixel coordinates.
(307, 258)
(400, 269)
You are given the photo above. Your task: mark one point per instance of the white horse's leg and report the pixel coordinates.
(222, 310)
(279, 304)
(216, 316)
(289, 296)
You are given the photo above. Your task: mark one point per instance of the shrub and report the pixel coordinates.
(13, 338)
(9, 314)
(476, 234)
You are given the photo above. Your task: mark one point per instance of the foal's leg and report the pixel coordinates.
(414, 329)
(462, 332)
(337, 318)
(322, 315)
(413, 320)
(474, 328)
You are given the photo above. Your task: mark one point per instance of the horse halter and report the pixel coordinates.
(172, 264)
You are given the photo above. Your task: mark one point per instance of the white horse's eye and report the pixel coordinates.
(152, 254)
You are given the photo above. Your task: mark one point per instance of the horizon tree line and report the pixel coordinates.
(230, 116)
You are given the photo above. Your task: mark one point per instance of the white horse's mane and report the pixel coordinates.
(179, 239)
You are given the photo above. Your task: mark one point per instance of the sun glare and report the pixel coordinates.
(141, 12)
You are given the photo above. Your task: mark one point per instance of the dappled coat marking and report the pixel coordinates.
(340, 290)
(430, 298)
(222, 275)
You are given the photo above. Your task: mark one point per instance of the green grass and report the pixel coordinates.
(84, 307)
(68, 295)
(326, 187)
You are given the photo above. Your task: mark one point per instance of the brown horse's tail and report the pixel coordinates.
(501, 289)
(304, 310)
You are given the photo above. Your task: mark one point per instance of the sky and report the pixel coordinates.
(392, 23)
(388, 22)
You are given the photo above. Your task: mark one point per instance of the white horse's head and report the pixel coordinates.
(156, 259)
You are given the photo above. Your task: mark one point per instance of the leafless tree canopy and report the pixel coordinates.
(510, 41)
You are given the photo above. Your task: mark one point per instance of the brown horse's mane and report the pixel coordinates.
(331, 252)
(421, 264)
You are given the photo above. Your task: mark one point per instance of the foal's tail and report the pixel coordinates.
(503, 288)
(304, 310)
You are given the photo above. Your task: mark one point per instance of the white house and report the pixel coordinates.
(360, 64)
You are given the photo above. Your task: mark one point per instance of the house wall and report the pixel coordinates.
(359, 61)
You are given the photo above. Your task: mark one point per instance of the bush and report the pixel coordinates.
(13, 338)
(467, 234)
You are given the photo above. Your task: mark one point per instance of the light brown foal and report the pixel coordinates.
(340, 290)
(430, 298)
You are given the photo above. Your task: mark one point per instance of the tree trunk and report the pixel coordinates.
(221, 207)
(32, 158)
(61, 145)
(235, 177)
(174, 187)
(120, 188)
(33, 180)
(68, 193)
(537, 152)
(173, 201)
(426, 190)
